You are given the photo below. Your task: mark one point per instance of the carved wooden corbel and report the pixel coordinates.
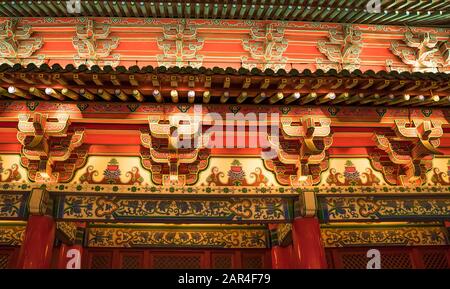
(50, 150)
(174, 150)
(405, 156)
(266, 47)
(301, 151)
(180, 45)
(17, 45)
(94, 45)
(342, 50)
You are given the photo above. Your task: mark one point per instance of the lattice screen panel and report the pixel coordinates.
(176, 262)
(4, 258)
(131, 262)
(435, 260)
(252, 262)
(100, 261)
(396, 261)
(222, 261)
(354, 261)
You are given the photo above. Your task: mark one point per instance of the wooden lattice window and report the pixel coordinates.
(401, 260)
(176, 261)
(222, 261)
(252, 261)
(131, 261)
(4, 260)
(100, 261)
(354, 261)
(435, 260)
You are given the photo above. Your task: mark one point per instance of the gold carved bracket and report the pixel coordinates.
(301, 150)
(94, 45)
(17, 45)
(342, 50)
(174, 150)
(405, 156)
(50, 150)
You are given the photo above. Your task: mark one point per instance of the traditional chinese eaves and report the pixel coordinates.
(352, 11)
(218, 85)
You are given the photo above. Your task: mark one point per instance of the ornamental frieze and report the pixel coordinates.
(12, 234)
(180, 45)
(301, 150)
(335, 209)
(408, 235)
(141, 208)
(94, 45)
(13, 205)
(17, 45)
(177, 236)
(51, 150)
(342, 50)
(266, 47)
(351, 176)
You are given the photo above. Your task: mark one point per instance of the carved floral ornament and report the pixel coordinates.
(422, 52)
(266, 47)
(94, 46)
(17, 44)
(405, 156)
(342, 50)
(301, 150)
(50, 150)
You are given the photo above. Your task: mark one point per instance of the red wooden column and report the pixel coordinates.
(307, 246)
(37, 246)
(281, 255)
(308, 249)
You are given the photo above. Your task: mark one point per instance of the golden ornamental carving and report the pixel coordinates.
(94, 45)
(301, 150)
(405, 156)
(174, 149)
(17, 44)
(180, 45)
(266, 47)
(342, 50)
(50, 150)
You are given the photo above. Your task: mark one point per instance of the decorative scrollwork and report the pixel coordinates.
(17, 45)
(266, 47)
(180, 45)
(342, 50)
(94, 45)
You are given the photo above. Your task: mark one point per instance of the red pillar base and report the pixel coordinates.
(36, 251)
(307, 245)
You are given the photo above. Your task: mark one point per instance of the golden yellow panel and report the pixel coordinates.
(439, 174)
(236, 172)
(11, 170)
(113, 170)
(351, 172)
